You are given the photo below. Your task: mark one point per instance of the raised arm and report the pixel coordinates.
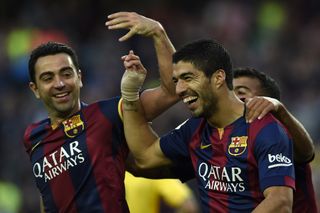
(155, 100)
(302, 143)
(142, 141)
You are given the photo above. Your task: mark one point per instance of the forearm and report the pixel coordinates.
(164, 50)
(302, 142)
(157, 100)
(271, 205)
(139, 135)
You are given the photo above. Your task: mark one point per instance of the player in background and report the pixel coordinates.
(248, 84)
(239, 166)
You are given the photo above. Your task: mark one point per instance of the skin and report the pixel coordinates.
(250, 89)
(58, 85)
(246, 87)
(191, 84)
(137, 24)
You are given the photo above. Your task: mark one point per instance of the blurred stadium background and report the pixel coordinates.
(280, 38)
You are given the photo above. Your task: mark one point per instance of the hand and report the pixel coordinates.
(259, 106)
(135, 23)
(133, 77)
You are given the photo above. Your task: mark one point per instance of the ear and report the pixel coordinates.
(34, 89)
(218, 78)
(80, 78)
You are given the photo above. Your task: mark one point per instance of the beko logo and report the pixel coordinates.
(278, 160)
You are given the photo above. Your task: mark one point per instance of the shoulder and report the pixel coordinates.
(34, 131)
(110, 108)
(268, 124)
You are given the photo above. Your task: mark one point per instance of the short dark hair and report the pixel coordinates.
(208, 56)
(50, 48)
(269, 86)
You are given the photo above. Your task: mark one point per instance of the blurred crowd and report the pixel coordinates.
(280, 38)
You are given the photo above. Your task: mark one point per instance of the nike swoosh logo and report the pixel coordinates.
(36, 145)
(204, 146)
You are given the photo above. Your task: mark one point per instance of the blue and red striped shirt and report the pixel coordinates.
(234, 165)
(80, 165)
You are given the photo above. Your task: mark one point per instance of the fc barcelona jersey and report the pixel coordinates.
(234, 165)
(80, 165)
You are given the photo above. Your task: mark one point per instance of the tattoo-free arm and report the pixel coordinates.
(155, 100)
(302, 143)
(277, 199)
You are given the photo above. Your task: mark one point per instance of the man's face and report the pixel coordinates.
(246, 87)
(195, 89)
(57, 84)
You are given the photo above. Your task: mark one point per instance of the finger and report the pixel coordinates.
(123, 57)
(114, 25)
(265, 111)
(117, 14)
(250, 109)
(131, 56)
(256, 110)
(130, 63)
(127, 36)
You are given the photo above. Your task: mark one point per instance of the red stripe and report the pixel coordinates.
(61, 186)
(108, 172)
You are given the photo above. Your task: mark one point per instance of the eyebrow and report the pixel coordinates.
(241, 86)
(50, 72)
(183, 75)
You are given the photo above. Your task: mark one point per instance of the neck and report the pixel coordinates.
(57, 118)
(230, 108)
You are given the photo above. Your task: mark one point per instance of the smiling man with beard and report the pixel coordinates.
(239, 166)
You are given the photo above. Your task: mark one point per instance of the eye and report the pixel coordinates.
(187, 78)
(46, 78)
(68, 73)
(241, 91)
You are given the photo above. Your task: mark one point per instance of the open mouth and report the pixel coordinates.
(62, 97)
(189, 100)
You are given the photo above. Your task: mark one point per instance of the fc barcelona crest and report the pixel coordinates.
(73, 126)
(238, 145)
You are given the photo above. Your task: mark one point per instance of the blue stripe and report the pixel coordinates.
(38, 134)
(83, 179)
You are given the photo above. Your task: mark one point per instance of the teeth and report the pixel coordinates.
(61, 95)
(188, 99)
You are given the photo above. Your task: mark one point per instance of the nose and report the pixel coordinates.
(180, 87)
(59, 83)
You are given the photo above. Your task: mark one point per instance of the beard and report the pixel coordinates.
(209, 105)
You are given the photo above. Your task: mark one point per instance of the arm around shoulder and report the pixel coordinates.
(302, 142)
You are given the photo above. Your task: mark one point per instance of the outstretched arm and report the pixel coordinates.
(142, 141)
(155, 100)
(258, 107)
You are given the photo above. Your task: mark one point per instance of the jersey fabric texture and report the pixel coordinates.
(145, 195)
(234, 165)
(80, 165)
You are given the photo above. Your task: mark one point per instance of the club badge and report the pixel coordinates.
(238, 145)
(73, 126)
